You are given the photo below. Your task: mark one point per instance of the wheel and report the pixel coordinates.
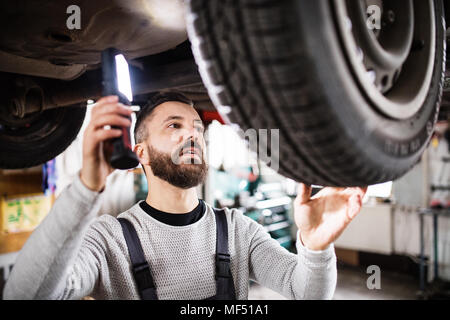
(38, 137)
(354, 105)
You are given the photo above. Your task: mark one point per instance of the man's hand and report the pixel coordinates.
(322, 218)
(97, 146)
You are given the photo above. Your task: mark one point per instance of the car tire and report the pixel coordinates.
(287, 65)
(44, 137)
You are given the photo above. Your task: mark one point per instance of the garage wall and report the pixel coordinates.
(412, 192)
(395, 229)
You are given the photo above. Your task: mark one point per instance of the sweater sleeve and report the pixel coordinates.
(306, 275)
(51, 262)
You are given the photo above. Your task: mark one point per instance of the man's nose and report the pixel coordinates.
(192, 133)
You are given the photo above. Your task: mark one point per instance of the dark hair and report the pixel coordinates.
(140, 132)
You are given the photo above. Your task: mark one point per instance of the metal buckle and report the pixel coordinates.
(223, 265)
(143, 276)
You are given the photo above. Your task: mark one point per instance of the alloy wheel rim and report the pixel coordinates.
(393, 64)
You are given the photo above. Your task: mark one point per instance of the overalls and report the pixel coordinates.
(142, 273)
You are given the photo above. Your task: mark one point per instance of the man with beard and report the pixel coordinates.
(172, 245)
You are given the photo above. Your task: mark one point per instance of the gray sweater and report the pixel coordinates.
(73, 254)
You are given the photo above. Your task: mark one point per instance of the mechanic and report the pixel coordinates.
(193, 251)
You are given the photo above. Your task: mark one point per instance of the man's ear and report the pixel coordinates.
(142, 153)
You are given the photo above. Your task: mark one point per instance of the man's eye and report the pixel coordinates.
(174, 125)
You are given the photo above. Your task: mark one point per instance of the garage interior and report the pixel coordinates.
(403, 227)
(397, 248)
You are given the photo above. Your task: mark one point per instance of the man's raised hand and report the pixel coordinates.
(97, 146)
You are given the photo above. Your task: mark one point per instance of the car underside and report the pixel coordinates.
(48, 72)
(54, 66)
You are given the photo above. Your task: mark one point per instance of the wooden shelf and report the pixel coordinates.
(18, 183)
(12, 185)
(17, 172)
(12, 242)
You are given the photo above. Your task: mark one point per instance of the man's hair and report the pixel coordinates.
(140, 128)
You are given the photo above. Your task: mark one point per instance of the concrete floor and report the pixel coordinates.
(351, 285)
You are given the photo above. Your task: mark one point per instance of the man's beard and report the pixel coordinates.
(181, 175)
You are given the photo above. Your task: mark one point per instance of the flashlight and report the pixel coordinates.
(116, 81)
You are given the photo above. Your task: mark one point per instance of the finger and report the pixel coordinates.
(364, 190)
(104, 134)
(327, 191)
(350, 191)
(303, 193)
(105, 100)
(92, 139)
(354, 206)
(361, 191)
(110, 120)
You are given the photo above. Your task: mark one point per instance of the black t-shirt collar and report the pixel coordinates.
(175, 219)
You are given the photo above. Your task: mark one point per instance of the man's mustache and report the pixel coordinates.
(190, 144)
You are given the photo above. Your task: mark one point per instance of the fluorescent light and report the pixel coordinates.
(123, 77)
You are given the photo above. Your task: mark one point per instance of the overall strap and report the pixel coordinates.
(224, 278)
(141, 269)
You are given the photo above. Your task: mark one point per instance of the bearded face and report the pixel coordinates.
(184, 168)
(172, 144)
